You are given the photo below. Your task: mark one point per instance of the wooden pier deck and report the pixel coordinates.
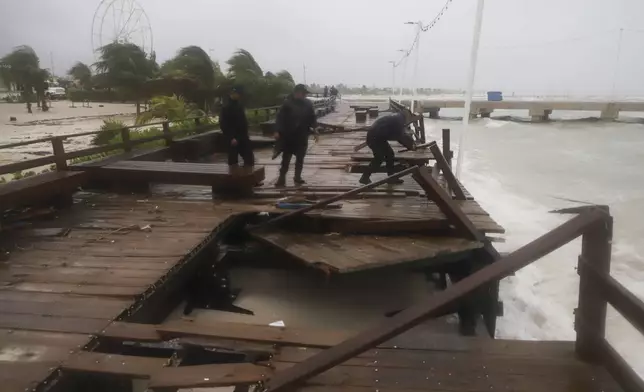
(82, 293)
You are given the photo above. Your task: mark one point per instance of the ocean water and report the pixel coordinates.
(519, 171)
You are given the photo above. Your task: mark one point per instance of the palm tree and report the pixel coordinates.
(243, 67)
(192, 62)
(81, 73)
(125, 66)
(22, 68)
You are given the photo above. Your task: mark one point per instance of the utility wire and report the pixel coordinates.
(423, 28)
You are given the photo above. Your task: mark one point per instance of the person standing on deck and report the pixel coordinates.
(234, 125)
(326, 91)
(378, 136)
(294, 123)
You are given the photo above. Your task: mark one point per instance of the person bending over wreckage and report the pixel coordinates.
(379, 134)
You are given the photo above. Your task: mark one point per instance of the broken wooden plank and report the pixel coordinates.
(113, 364)
(418, 313)
(207, 376)
(333, 199)
(249, 332)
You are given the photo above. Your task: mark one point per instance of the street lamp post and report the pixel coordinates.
(419, 27)
(393, 77)
(402, 81)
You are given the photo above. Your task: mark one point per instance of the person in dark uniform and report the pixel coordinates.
(234, 125)
(295, 122)
(386, 128)
(326, 91)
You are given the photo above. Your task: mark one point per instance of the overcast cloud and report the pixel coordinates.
(545, 46)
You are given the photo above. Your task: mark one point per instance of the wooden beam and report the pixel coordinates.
(333, 199)
(452, 182)
(621, 371)
(596, 253)
(113, 364)
(450, 208)
(208, 376)
(419, 147)
(625, 302)
(415, 315)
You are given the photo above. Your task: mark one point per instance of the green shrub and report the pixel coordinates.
(110, 128)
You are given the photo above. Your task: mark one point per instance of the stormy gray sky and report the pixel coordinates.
(528, 46)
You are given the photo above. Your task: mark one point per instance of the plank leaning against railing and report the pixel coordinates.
(597, 288)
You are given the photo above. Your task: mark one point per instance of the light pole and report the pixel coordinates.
(478, 22)
(402, 81)
(393, 77)
(419, 27)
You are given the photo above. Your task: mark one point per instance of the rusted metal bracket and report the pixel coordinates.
(414, 315)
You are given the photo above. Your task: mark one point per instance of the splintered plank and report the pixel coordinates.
(256, 333)
(204, 376)
(113, 364)
(343, 254)
(131, 332)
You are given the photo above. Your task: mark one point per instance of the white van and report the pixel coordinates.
(55, 93)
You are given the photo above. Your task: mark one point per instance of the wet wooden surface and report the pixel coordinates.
(419, 359)
(352, 253)
(181, 173)
(58, 291)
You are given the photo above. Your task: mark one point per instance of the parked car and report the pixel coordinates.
(55, 93)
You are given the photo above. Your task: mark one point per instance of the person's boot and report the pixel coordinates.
(297, 178)
(365, 179)
(281, 181)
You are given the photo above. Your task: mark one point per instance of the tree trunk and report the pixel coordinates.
(138, 108)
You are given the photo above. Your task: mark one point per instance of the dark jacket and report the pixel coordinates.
(232, 120)
(390, 127)
(295, 118)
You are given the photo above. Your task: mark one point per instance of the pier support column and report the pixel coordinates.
(486, 113)
(434, 113)
(610, 112)
(540, 114)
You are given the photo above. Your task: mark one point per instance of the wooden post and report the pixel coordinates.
(447, 151)
(166, 133)
(452, 182)
(59, 153)
(268, 114)
(590, 316)
(125, 137)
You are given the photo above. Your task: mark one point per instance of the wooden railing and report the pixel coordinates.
(597, 289)
(60, 157)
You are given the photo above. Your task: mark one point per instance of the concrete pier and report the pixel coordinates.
(537, 110)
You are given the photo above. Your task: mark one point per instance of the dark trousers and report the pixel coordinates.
(293, 146)
(243, 149)
(382, 151)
